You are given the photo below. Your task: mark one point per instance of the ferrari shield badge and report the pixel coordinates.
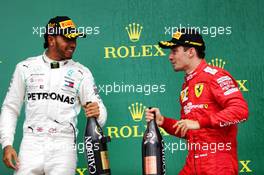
(198, 89)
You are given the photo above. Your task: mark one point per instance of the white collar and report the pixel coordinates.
(49, 61)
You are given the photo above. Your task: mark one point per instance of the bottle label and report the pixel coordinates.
(105, 161)
(90, 155)
(150, 165)
(150, 138)
(98, 131)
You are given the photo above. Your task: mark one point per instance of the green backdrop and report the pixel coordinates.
(129, 72)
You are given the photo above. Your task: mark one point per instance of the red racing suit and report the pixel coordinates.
(210, 96)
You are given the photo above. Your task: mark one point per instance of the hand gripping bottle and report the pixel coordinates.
(96, 148)
(153, 155)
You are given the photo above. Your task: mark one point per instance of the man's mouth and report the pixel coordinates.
(70, 50)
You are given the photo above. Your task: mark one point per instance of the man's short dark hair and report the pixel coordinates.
(187, 38)
(200, 52)
(61, 25)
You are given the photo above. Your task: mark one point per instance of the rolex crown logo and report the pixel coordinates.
(217, 62)
(134, 30)
(137, 111)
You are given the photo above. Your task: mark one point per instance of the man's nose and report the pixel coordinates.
(170, 57)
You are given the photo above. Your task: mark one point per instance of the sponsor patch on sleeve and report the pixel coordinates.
(230, 91)
(227, 85)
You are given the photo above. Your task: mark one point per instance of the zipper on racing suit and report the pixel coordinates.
(74, 131)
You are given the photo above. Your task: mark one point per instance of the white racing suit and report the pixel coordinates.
(53, 99)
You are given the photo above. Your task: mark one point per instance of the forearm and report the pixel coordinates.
(8, 122)
(103, 114)
(235, 113)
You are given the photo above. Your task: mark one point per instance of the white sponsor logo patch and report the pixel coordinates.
(231, 122)
(227, 85)
(230, 91)
(188, 108)
(210, 70)
(222, 79)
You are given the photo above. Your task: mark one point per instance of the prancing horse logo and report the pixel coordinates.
(198, 89)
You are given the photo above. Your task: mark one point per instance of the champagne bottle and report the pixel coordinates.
(153, 155)
(96, 148)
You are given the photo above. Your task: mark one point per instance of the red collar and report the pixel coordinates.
(200, 67)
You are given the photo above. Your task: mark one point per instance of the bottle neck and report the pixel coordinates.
(152, 123)
(91, 119)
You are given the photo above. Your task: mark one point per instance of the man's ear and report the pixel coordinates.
(51, 40)
(192, 52)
